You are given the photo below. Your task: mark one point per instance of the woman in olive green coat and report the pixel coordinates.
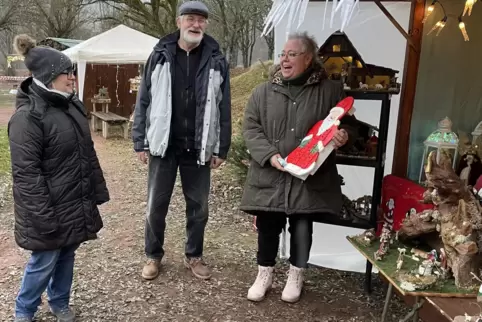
(279, 114)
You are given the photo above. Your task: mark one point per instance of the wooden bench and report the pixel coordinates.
(109, 119)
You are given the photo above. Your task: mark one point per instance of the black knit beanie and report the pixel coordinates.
(45, 63)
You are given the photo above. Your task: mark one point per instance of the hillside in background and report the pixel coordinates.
(242, 86)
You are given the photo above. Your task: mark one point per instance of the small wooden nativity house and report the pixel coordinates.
(343, 62)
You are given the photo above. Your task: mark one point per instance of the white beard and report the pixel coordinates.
(192, 39)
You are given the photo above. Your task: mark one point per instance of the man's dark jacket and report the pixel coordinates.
(152, 128)
(57, 179)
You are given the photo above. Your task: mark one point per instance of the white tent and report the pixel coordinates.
(119, 45)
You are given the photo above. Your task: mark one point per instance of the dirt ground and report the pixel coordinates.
(108, 286)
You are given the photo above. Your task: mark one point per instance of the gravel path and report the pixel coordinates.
(108, 286)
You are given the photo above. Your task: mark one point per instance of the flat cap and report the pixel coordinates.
(194, 7)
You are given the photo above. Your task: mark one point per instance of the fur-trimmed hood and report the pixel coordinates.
(317, 76)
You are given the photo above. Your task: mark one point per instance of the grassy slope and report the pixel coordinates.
(4, 151)
(241, 88)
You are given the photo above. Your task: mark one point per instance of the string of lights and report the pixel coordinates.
(469, 4)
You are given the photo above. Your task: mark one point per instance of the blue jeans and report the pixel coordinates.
(52, 270)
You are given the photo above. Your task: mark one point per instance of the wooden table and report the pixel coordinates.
(107, 118)
(449, 306)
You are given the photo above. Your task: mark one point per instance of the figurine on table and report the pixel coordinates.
(470, 165)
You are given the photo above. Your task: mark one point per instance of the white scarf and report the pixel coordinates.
(39, 83)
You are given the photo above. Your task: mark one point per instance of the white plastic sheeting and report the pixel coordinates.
(297, 11)
(119, 45)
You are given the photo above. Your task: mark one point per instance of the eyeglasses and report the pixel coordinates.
(191, 20)
(290, 54)
(69, 72)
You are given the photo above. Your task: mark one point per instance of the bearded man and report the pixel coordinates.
(182, 120)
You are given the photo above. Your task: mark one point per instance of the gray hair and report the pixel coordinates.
(308, 44)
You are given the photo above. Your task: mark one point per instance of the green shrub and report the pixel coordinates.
(241, 88)
(4, 152)
(239, 156)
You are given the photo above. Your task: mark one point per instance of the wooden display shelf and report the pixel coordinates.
(361, 161)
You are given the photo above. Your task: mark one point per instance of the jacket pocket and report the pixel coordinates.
(49, 228)
(263, 177)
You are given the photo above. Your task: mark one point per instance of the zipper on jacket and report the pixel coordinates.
(187, 101)
(78, 133)
(275, 137)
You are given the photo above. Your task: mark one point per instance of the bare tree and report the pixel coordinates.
(6, 40)
(249, 20)
(225, 15)
(238, 25)
(155, 17)
(13, 13)
(265, 6)
(62, 18)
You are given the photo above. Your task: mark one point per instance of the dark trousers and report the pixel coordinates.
(196, 181)
(270, 226)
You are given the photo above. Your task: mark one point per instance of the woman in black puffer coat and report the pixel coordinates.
(57, 179)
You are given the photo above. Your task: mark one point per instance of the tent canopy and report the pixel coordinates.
(119, 45)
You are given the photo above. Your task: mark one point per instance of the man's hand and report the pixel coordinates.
(142, 156)
(275, 163)
(340, 138)
(216, 162)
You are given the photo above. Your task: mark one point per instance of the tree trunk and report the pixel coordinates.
(233, 56)
(270, 42)
(245, 55)
(457, 217)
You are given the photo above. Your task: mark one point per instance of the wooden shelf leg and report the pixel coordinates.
(125, 127)
(388, 298)
(368, 277)
(105, 129)
(92, 123)
(413, 314)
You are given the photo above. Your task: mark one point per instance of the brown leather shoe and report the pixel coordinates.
(198, 267)
(151, 269)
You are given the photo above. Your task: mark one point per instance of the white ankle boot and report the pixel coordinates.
(263, 283)
(294, 285)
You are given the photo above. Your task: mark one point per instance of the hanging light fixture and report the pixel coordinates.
(430, 9)
(462, 29)
(469, 4)
(439, 25)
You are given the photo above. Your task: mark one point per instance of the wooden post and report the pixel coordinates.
(93, 121)
(395, 23)
(409, 86)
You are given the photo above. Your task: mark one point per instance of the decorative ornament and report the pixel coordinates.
(463, 30)
(430, 9)
(318, 143)
(13, 58)
(438, 26)
(441, 24)
(134, 84)
(469, 4)
(442, 141)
